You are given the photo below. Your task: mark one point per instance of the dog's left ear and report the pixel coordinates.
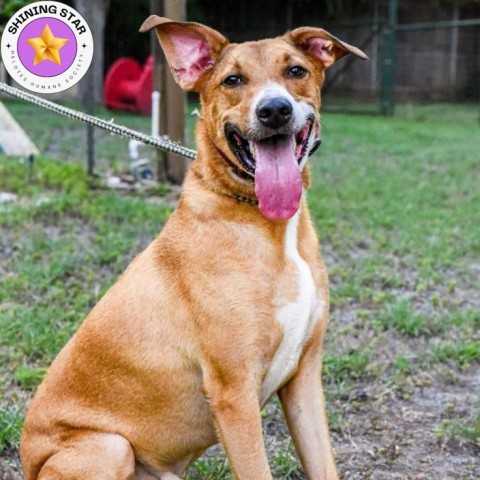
(321, 45)
(191, 48)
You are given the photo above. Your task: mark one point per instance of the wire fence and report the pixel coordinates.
(437, 60)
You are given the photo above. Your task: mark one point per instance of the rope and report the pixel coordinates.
(163, 144)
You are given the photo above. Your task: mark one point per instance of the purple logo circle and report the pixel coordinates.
(47, 47)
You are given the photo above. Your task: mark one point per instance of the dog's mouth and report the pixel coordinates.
(274, 164)
(243, 149)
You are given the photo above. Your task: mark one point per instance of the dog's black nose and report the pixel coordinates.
(274, 112)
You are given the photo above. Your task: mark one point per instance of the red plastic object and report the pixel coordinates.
(128, 86)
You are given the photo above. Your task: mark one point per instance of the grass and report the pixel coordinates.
(463, 353)
(11, 421)
(61, 247)
(283, 465)
(399, 316)
(215, 468)
(351, 365)
(460, 428)
(397, 207)
(422, 176)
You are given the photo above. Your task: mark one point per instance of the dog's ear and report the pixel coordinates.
(321, 45)
(191, 48)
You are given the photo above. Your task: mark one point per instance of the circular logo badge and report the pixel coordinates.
(47, 47)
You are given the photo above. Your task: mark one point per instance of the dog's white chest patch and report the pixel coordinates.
(296, 318)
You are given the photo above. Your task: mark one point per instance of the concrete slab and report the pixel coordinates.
(13, 139)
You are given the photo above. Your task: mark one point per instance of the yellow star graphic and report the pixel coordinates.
(47, 47)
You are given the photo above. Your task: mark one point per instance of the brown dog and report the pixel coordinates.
(228, 306)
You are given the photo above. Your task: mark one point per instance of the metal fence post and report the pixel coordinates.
(387, 99)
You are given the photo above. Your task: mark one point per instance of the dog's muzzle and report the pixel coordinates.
(242, 147)
(273, 162)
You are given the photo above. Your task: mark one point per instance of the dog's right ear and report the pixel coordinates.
(322, 46)
(191, 48)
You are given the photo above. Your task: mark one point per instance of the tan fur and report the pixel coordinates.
(172, 358)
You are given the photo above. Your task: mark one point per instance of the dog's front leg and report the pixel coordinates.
(304, 406)
(235, 408)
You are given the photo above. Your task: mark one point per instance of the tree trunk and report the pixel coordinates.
(95, 13)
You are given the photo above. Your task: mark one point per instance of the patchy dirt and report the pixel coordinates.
(6, 472)
(390, 436)
(390, 425)
(384, 436)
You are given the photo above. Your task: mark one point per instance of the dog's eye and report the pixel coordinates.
(233, 81)
(297, 72)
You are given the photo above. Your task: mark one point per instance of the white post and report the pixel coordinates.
(155, 114)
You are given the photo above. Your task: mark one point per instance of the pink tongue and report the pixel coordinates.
(278, 181)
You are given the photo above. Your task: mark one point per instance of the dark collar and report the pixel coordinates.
(240, 198)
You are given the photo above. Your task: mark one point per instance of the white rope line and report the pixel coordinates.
(163, 143)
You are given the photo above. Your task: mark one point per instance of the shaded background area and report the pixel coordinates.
(432, 64)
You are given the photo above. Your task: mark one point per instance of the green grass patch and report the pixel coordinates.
(68, 243)
(398, 186)
(464, 352)
(400, 316)
(18, 176)
(455, 429)
(29, 378)
(467, 321)
(349, 366)
(11, 422)
(210, 468)
(285, 464)
(403, 365)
